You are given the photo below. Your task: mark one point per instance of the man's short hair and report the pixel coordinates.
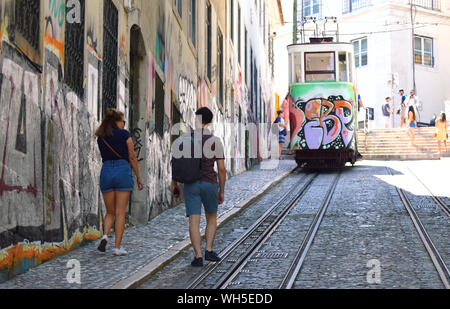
(388, 98)
(401, 90)
(206, 113)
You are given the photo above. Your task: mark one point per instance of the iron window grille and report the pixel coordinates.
(110, 46)
(220, 63)
(427, 4)
(179, 6)
(74, 53)
(350, 6)
(209, 43)
(27, 20)
(239, 35)
(192, 16)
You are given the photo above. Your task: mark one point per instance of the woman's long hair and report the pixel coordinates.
(109, 123)
(411, 110)
(443, 117)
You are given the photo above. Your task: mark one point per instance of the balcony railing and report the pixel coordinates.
(427, 4)
(349, 6)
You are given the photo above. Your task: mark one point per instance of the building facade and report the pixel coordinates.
(65, 62)
(398, 45)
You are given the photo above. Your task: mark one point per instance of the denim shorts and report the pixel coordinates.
(198, 193)
(116, 176)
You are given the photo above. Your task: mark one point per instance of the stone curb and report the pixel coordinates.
(143, 274)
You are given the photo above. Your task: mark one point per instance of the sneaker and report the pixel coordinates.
(197, 262)
(103, 243)
(120, 252)
(212, 256)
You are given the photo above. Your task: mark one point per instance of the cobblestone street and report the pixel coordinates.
(366, 223)
(148, 246)
(365, 229)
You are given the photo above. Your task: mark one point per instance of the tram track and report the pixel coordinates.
(433, 252)
(251, 240)
(436, 199)
(299, 259)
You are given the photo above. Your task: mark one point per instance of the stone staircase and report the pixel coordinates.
(394, 144)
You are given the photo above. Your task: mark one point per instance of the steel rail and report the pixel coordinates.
(231, 248)
(228, 278)
(434, 254)
(435, 198)
(297, 264)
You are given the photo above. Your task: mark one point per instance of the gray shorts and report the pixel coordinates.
(198, 193)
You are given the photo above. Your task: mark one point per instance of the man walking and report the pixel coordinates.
(387, 112)
(413, 101)
(208, 191)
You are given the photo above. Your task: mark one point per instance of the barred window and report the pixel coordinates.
(428, 4)
(193, 17)
(354, 5)
(27, 20)
(74, 52)
(110, 46)
(178, 5)
(220, 63)
(208, 38)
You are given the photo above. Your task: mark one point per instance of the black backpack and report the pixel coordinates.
(187, 169)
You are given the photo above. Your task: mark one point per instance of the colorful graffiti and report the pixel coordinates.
(322, 116)
(187, 100)
(50, 209)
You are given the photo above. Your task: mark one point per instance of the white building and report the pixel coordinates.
(385, 39)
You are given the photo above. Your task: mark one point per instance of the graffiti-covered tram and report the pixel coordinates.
(323, 104)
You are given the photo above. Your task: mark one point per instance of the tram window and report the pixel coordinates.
(320, 66)
(298, 68)
(350, 67)
(291, 70)
(343, 67)
(320, 77)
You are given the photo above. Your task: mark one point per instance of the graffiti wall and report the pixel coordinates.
(47, 184)
(50, 165)
(50, 200)
(323, 116)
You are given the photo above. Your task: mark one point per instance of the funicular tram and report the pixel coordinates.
(323, 103)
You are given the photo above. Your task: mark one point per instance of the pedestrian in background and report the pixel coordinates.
(360, 103)
(403, 109)
(387, 112)
(412, 125)
(116, 179)
(441, 131)
(208, 191)
(282, 129)
(413, 101)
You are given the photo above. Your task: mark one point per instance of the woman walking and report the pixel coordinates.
(116, 179)
(441, 131)
(282, 129)
(412, 125)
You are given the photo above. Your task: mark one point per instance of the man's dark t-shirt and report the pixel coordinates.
(118, 142)
(212, 151)
(385, 109)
